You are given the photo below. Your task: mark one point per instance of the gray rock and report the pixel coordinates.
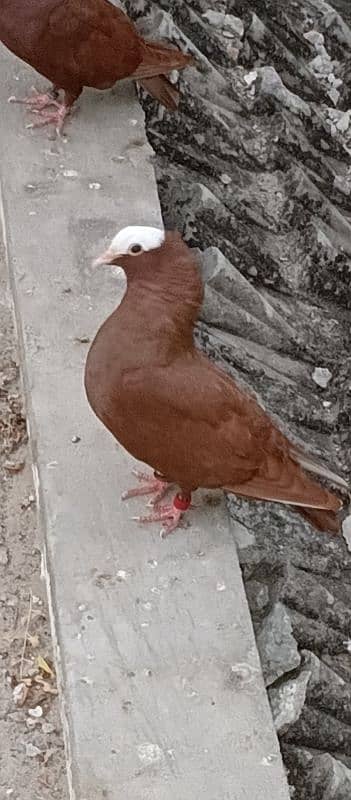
(317, 776)
(288, 700)
(258, 597)
(315, 38)
(320, 673)
(343, 123)
(321, 376)
(225, 22)
(220, 274)
(271, 85)
(339, 777)
(276, 645)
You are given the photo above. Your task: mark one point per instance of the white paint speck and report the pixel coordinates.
(147, 606)
(347, 645)
(155, 590)
(32, 213)
(149, 753)
(94, 185)
(70, 173)
(152, 563)
(268, 760)
(221, 587)
(122, 574)
(144, 625)
(82, 607)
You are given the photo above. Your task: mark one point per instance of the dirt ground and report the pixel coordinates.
(32, 762)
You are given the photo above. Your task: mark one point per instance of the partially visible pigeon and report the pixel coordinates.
(171, 408)
(76, 44)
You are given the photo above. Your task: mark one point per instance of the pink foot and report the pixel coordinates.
(170, 515)
(56, 118)
(150, 484)
(37, 102)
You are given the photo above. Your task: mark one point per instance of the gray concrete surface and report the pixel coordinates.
(162, 690)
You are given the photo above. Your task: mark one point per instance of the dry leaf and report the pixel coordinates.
(14, 466)
(44, 666)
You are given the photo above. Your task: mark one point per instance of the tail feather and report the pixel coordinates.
(158, 59)
(285, 482)
(163, 91)
(310, 464)
(327, 521)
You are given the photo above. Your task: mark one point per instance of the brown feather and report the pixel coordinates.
(170, 407)
(162, 90)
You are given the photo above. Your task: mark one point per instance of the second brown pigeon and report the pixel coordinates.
(76, 44)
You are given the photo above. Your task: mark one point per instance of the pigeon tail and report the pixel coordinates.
(162, 90)
(158, 59)
(327, 521)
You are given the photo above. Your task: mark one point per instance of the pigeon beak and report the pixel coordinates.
(108, 257)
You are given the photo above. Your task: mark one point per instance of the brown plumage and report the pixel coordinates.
(75, 43)
(171, 408)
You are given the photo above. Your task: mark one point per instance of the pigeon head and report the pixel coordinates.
(131, 243)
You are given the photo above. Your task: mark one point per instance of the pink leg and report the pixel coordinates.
(37, 101)
(149, 484)
(170, 515)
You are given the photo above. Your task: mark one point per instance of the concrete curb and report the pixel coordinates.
(162, 691)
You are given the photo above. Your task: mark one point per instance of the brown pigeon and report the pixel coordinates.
(171, 408)
(76, 44)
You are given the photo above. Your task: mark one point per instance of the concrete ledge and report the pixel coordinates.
(162, 690)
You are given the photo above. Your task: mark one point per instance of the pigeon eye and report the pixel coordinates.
(135, 249)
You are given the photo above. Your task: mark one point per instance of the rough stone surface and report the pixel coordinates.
(282, 223)
(276, 645)
(288, 699)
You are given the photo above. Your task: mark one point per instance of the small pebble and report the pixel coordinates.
(321, 376)
(75, 439)
(36, 712)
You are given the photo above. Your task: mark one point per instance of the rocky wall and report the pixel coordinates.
(255, 170)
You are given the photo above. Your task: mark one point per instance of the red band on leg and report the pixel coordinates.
(182, 502)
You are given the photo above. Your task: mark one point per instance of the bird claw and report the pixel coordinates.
(56, 118)
(148, 485)
(169, 515)
(37, 102)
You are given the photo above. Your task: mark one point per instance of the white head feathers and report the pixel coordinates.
(129, 238)
(133, 240)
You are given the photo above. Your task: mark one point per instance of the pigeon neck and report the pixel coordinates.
(164, 285)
